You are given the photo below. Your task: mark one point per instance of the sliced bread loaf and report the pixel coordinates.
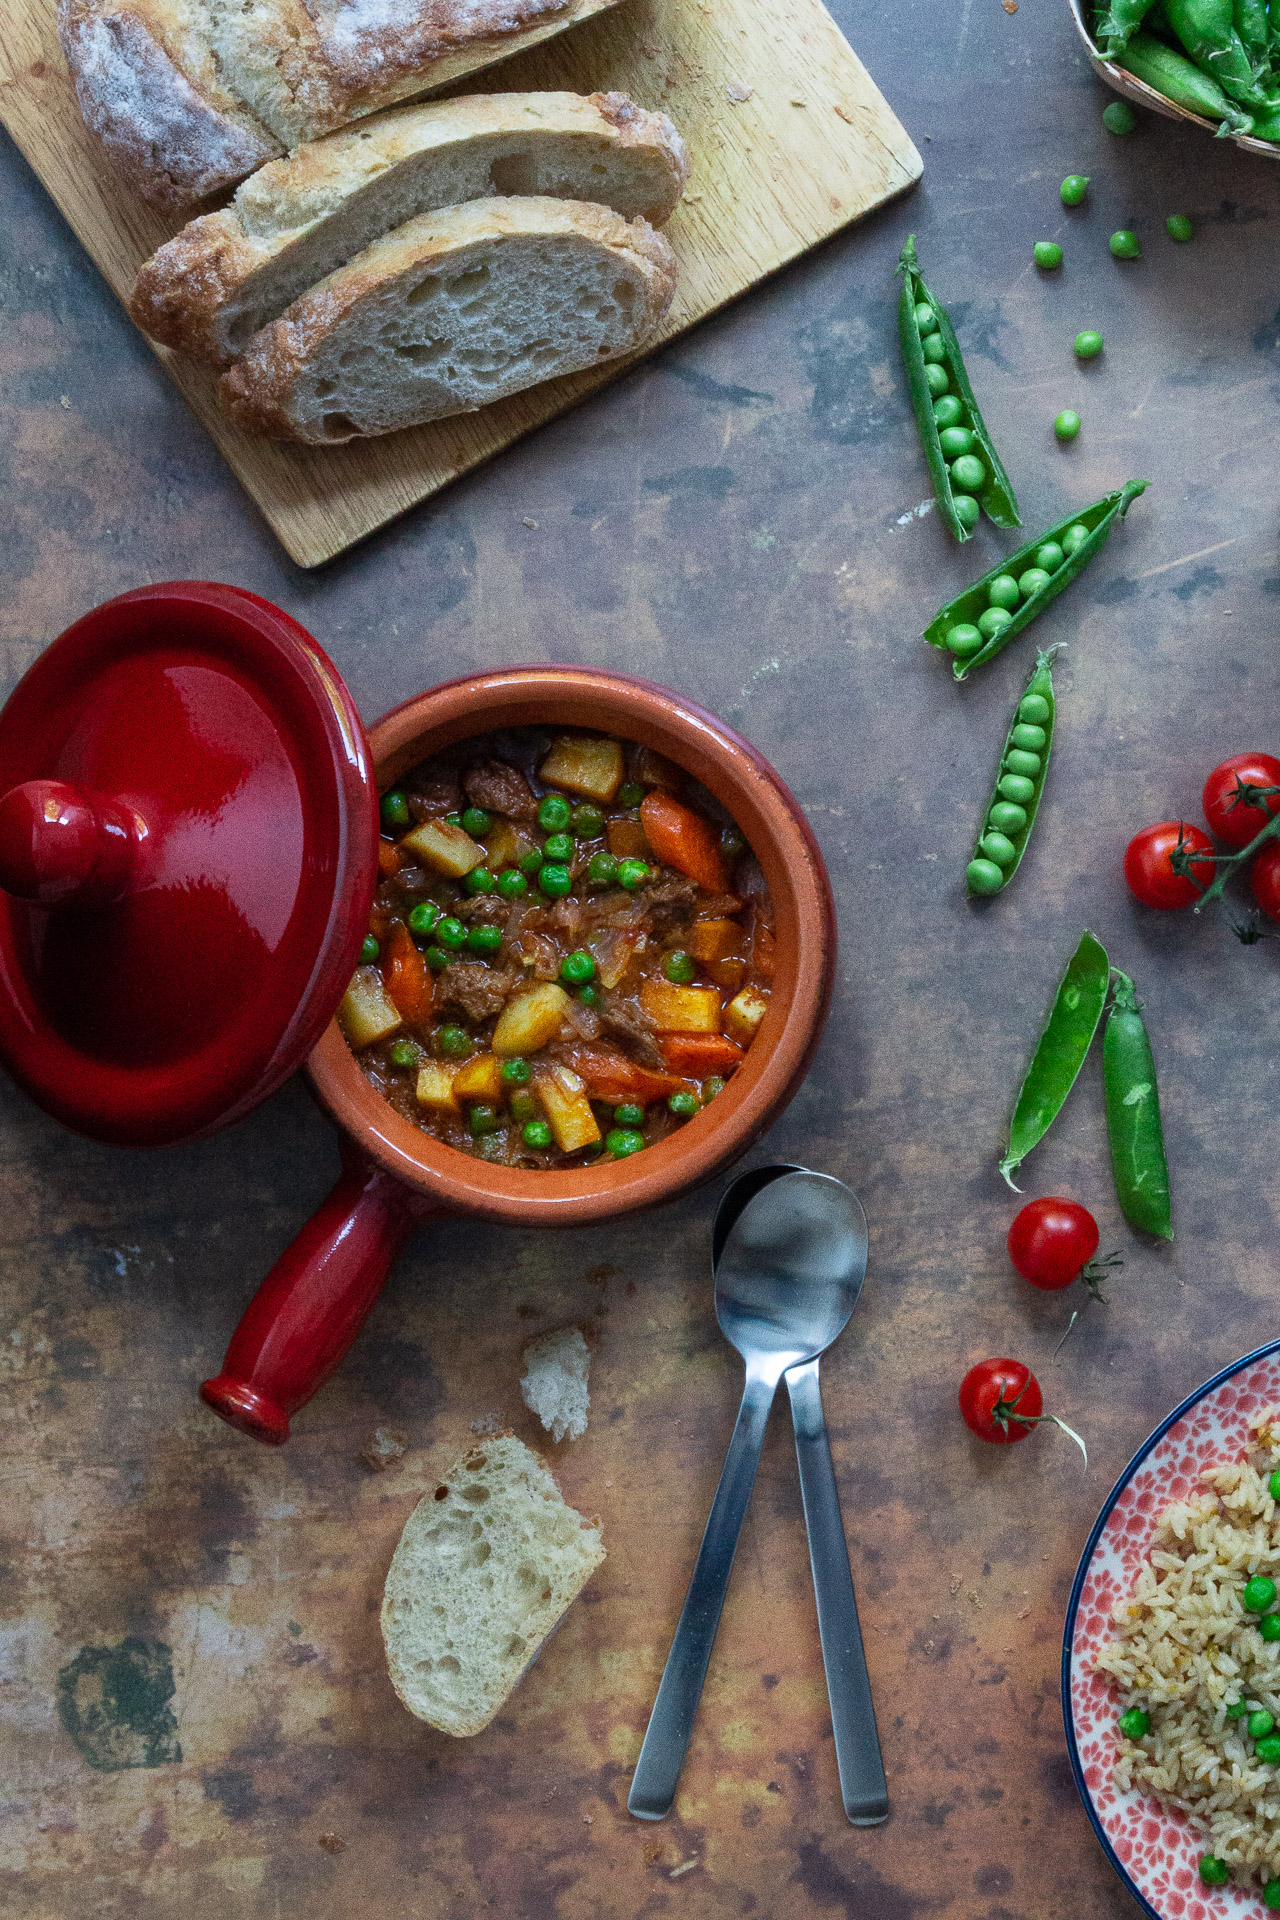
(229, 274)
(453, 310)
(487, 1564)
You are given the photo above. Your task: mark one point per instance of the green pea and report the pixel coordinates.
(454, 1042)
(956, 440)
(1003, 591)
(1213, 1871)
(1258, 1594)
(1067, 424)
(1134, 1723)
(1074, 188)
(1074, 538)
(621, 1141)
(926, 319)
(683, 1105)
(484, 939)
(453, 819)
(1260, 1724)
(369, 950)
(1119, 117)
(516, 1073)
(711, 1087)
(628, 1116)
(1006, 818)
(679, 967)
(996, 847)
(602, 870)
(1273, 1485)
(588, 821)
(966, 509)
(983, 876)
(406, 1053)
(936, 379)
(964, 640)
(630, 794)
(483, 1119)
(523, 1107)
(512, 883)
(1032, 581)
(536, 1134)
(968, 473)
(393, 809)
(1237, 1710)
(732, 843)
(948, 412)
(994, 621)
(1030, 739)
(1268, 1750)
(476, 822)
(1269, 1626)
(1178, 227)
(451, 933)
(1047, 255)
(555, 879)
(577, 968)
(529, 863)
(423, 917)
(632, 874)
(1033, 707)
(1016, 787)
(437, 957)
(588, 996)
(479, 880)
(558, 847)
(1019, 762)
(934, 349)
(555, 813)
(1087, 344)
(1049, 556)
(1271, 1891)
(1125, 245)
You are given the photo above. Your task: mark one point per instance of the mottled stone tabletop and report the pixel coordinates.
(744, 519)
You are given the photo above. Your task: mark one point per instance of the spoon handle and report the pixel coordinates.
(863, 1787)
(653, 1786)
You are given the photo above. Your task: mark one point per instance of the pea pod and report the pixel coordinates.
(1170, 73)
(1060, 1051)
(1118, 24)
(1207, 30)
(953, 627)
(1250, 18)
(993, 492)
(1002, 838)
(1138, 1163)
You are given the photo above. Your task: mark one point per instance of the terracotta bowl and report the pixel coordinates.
(312, 1304)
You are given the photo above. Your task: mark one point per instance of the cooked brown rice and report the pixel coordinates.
(1186, 1650)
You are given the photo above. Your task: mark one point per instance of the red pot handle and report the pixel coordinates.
(315, 1299)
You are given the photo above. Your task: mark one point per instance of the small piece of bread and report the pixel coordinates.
(487, 1564)
(228, 274)
(451, 311)
(554, 1385)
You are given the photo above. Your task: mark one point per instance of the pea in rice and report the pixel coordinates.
(1186, 1651)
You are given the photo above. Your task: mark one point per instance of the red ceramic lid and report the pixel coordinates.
(188, 848)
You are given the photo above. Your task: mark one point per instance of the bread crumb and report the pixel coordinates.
(1010, 6)
(736, 93)
(530, 523)
(386, 1446)
(64, 399)
(332, 1844)
(554, 1385)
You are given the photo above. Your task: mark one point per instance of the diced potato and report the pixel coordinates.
(529, 1021)
(681, 1009)
(626, 839)
(715, 939)
(446, 849)
(568, 1110)
(367, 1012)
(590, 767)
(479, 1079)
(506, 842)
(743, 1015)
(435, 1086)
(727, 973)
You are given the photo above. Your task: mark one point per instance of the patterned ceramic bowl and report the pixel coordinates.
(1155, 1853)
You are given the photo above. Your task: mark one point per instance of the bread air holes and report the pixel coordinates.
(466, 288)
(475, 1493)
(423, 291)
(338, 426)
(513, 173)
(517, 1644)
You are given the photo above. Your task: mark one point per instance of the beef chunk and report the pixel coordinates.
(500, 789)
(627, 1020)
(668, 901)
(480, 991)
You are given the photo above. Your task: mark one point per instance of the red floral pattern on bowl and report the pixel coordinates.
(1155, 1853)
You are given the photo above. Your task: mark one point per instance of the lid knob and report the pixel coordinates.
(65, 846)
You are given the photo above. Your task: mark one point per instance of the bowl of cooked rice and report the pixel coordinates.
(1171, 1656)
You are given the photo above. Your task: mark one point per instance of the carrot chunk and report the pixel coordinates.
(682, 839)
(404, 971)
(611, 1077)
(699, 1055)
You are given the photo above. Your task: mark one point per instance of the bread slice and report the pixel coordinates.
(487, 1564)
(554, 1385)
(295, 221)
(453, 310)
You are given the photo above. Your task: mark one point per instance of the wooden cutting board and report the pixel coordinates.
(790, 140)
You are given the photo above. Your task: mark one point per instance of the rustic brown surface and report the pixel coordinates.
(728, 520)
(791, 140)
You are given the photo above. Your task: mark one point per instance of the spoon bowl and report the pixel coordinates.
(789, 1266)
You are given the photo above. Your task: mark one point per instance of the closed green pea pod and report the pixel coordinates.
(1011, 812)
(1138, 1163)
(1119, 23)
(1207, 31)
(1060, 1052)
(1170, 73)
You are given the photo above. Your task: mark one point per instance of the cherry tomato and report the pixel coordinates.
(1051, 1240)
(1237, 825)
(1264, 877)
(1146, 864)
(993, 1393)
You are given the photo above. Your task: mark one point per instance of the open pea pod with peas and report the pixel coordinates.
(1020, 776)
(968, 475)
(980, 622)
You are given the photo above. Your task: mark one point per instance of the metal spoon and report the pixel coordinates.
(787, 1279)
